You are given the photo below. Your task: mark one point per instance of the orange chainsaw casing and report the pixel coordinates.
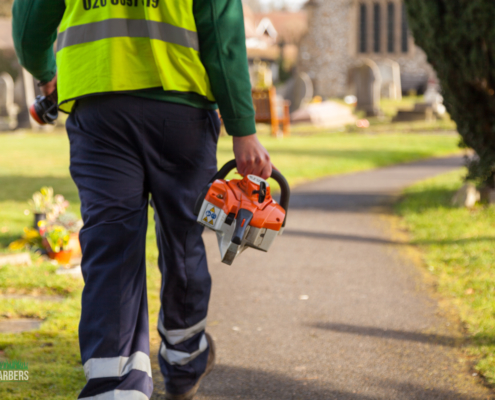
(35, 115)
(235, 194)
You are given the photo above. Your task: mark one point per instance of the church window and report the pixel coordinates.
(381, 27)
(377, 28)
(404, 31)
(363, 46)
(391, 27)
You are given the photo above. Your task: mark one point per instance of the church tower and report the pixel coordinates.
(343, 32)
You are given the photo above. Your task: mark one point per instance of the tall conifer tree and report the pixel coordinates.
(458, 37)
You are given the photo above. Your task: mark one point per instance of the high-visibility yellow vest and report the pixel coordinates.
(122, 45)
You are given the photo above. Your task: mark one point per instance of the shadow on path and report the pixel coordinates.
(376, 240)
(392, 334)
(428, 338)
(339, 201)
(226, 382)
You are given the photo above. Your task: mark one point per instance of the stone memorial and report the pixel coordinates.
(467, 196)
(390, 74)
(8, 109)
(365, 82)
(298, 90)
(434, 98)
(24, 96)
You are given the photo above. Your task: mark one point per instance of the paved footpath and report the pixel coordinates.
(335, 310)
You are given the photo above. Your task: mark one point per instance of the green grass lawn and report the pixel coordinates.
(458, 247)
(29, 161)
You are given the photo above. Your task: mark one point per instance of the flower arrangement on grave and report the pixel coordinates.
(58, 238)
(58, 207)
(41, 203)
(56, 231)
(41, 200)
(30, 239)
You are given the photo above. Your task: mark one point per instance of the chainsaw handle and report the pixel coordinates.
(276, 176)
(224, 171)
(284, 191)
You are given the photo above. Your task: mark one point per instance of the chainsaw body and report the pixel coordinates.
(43, 110)
(242, 212)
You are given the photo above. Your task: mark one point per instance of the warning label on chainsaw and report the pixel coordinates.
(210, 215)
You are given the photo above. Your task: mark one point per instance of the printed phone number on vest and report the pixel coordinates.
(92, 4)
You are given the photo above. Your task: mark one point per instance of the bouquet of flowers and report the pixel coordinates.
(42, 201)
(55, 230)
(58, 238)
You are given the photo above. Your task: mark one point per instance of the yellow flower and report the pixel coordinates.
(30, 233)
(18, 244)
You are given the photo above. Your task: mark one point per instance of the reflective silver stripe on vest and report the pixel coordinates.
(118, 395)
(116, 366)
(175, 357)
(179, 335)
(123, 27)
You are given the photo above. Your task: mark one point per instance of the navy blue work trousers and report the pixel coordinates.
(122, 150)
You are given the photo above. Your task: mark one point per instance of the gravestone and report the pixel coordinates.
(298, 90)
(430, 110)
(25, 95)
(433, 97)
(302, 91)
(390, 74)
(8, 109)
(365, 82)
(466, 196)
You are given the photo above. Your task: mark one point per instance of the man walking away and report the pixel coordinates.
(141, 80)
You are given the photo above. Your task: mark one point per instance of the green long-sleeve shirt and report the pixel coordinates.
(220, 26)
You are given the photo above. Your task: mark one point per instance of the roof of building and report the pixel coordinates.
(266, 31)
(290, 26)
(249, 21)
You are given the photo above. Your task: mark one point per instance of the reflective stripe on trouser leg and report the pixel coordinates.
(177, 336)
(176, 357)
(119, 395)
(117, 366)
(113, 331)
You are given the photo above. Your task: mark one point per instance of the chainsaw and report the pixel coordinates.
(242, 212)
(44, 110)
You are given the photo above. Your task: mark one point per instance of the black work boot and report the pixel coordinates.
(189, 395)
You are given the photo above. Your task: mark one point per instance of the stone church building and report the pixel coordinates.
(343, 32)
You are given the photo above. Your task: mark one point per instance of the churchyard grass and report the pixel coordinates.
(29, 161)
(457, 245)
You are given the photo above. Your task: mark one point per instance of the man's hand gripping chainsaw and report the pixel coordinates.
(242, 212)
